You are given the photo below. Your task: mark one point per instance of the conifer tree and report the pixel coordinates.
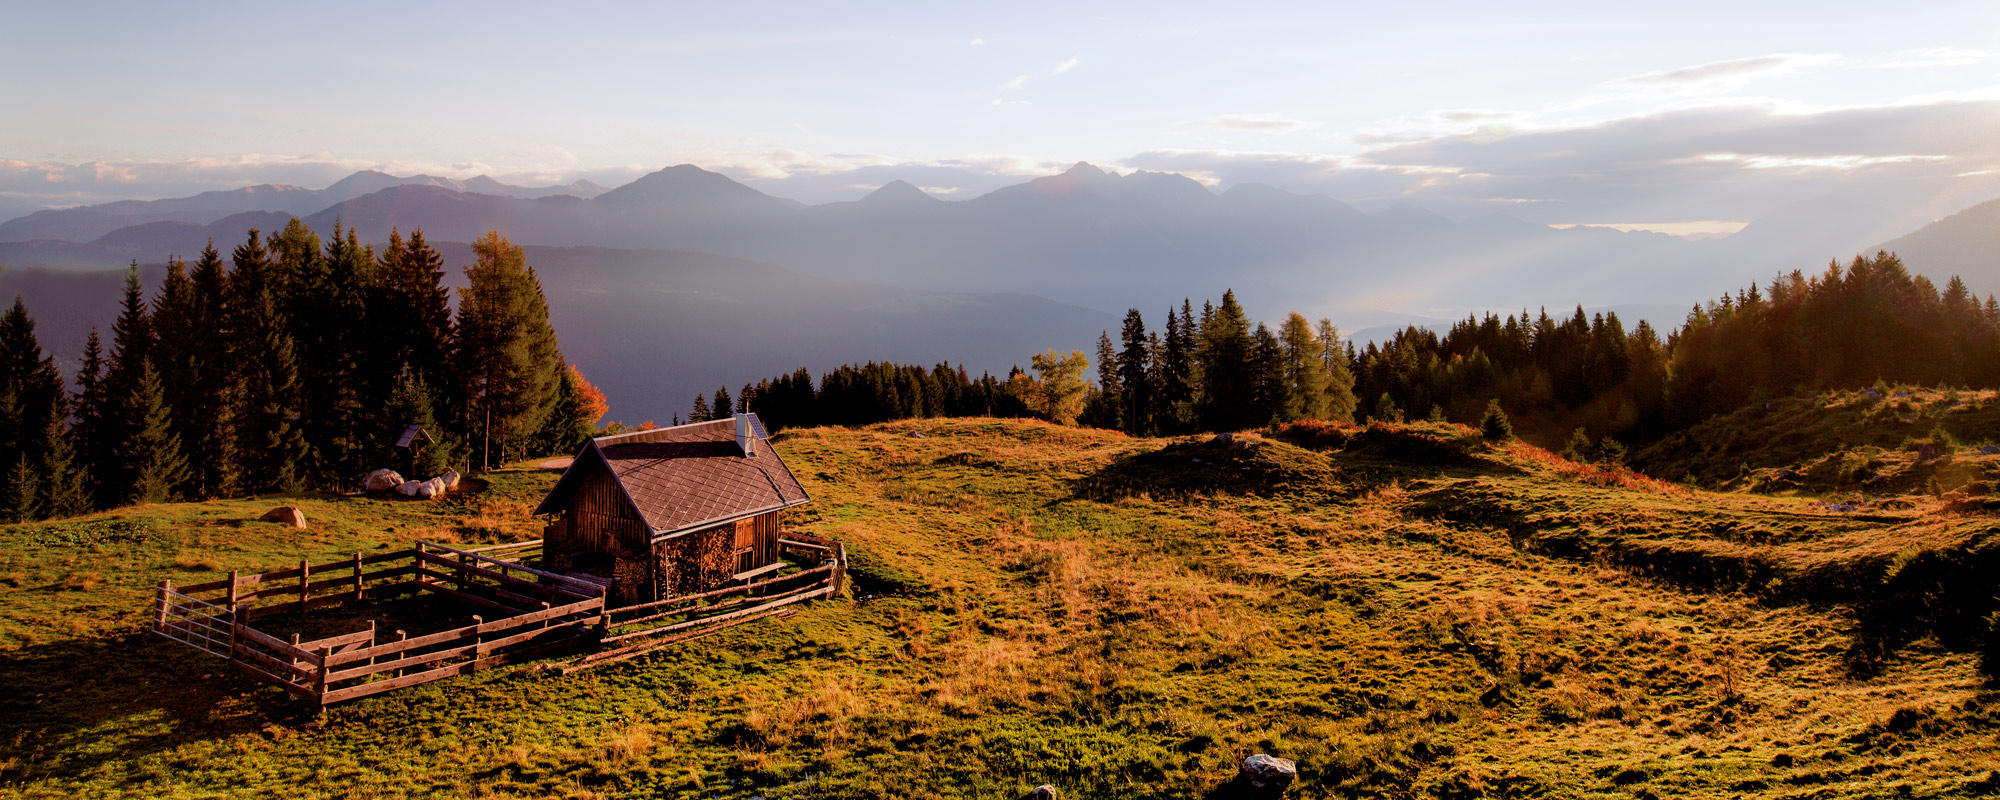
(207, 406)
(63, 491)
(93, 416)
(31, 401)
(700, 412)
(1269, 389)
(178, 329)
(723, 404)
(1109, 404)
(153, 452)
(411, 401)
(1494, 426)
(1306, 376)
(129, 363)
(509, 363)
(270, 448)
(1135, 374)
(1334, 359)
(1226, 395)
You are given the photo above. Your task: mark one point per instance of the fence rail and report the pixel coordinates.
(538, 612)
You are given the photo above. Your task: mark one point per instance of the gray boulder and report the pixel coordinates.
(381, 480)
(409, 488)
(450, 478)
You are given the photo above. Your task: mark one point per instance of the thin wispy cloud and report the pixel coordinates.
(976, 42)
(1732, 70)
(1066, 65)
(1261, 123)
(1014, 83)
(1929, 58)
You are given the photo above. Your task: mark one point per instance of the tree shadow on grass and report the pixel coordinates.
(1248, 466)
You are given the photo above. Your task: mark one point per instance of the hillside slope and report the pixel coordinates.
(1402, 610)
(1881, 441)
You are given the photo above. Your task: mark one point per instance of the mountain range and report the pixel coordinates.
(1060, 254)
(87, 223)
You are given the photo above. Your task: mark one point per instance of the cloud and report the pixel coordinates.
(1014, 83)
(1263, 123)
(1930, 57)
(1732, 70)
(999, 101)
(1066, 65)
(976, 41)
(1699, 164)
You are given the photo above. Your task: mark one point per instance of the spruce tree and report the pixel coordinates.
(93, 417)
(124, 379)
(1494, 426)
(1269, 389)
(700, 411)
(153, 452)
(411, 401)
(63, 491)
(1225, 397)
(270, 448)
(31, 397)
(1109, 411)
(179, 328)
(722, 405)
(1135, 374)
(209, 415)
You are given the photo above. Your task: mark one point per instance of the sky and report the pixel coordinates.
(1682, 114)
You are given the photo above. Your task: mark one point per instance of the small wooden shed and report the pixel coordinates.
(671, 511)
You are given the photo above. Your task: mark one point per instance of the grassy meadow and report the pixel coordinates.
(1405, 611)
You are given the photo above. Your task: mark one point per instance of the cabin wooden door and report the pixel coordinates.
(745, 545)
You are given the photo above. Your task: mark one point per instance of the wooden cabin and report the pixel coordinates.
(672, 511)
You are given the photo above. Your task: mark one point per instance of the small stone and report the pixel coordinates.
(1042, 792)
(1267, 776)
(285, 515)
(1223, 439)
(917, 435)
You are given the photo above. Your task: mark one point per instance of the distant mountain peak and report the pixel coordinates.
(1084, 168)
(899, 192)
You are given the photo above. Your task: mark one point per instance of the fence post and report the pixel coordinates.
(305, 570)
(319, 679)
(232, 595)
(400, 636)
(419, 577)
(357, 578)
(160, 605)
(477, 637)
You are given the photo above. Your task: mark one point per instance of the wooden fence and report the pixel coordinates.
(536, 613)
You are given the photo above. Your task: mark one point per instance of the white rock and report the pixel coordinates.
(450, 478)
(409, 488)
(380, 480)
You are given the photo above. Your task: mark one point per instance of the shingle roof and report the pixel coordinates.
(692, 475)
